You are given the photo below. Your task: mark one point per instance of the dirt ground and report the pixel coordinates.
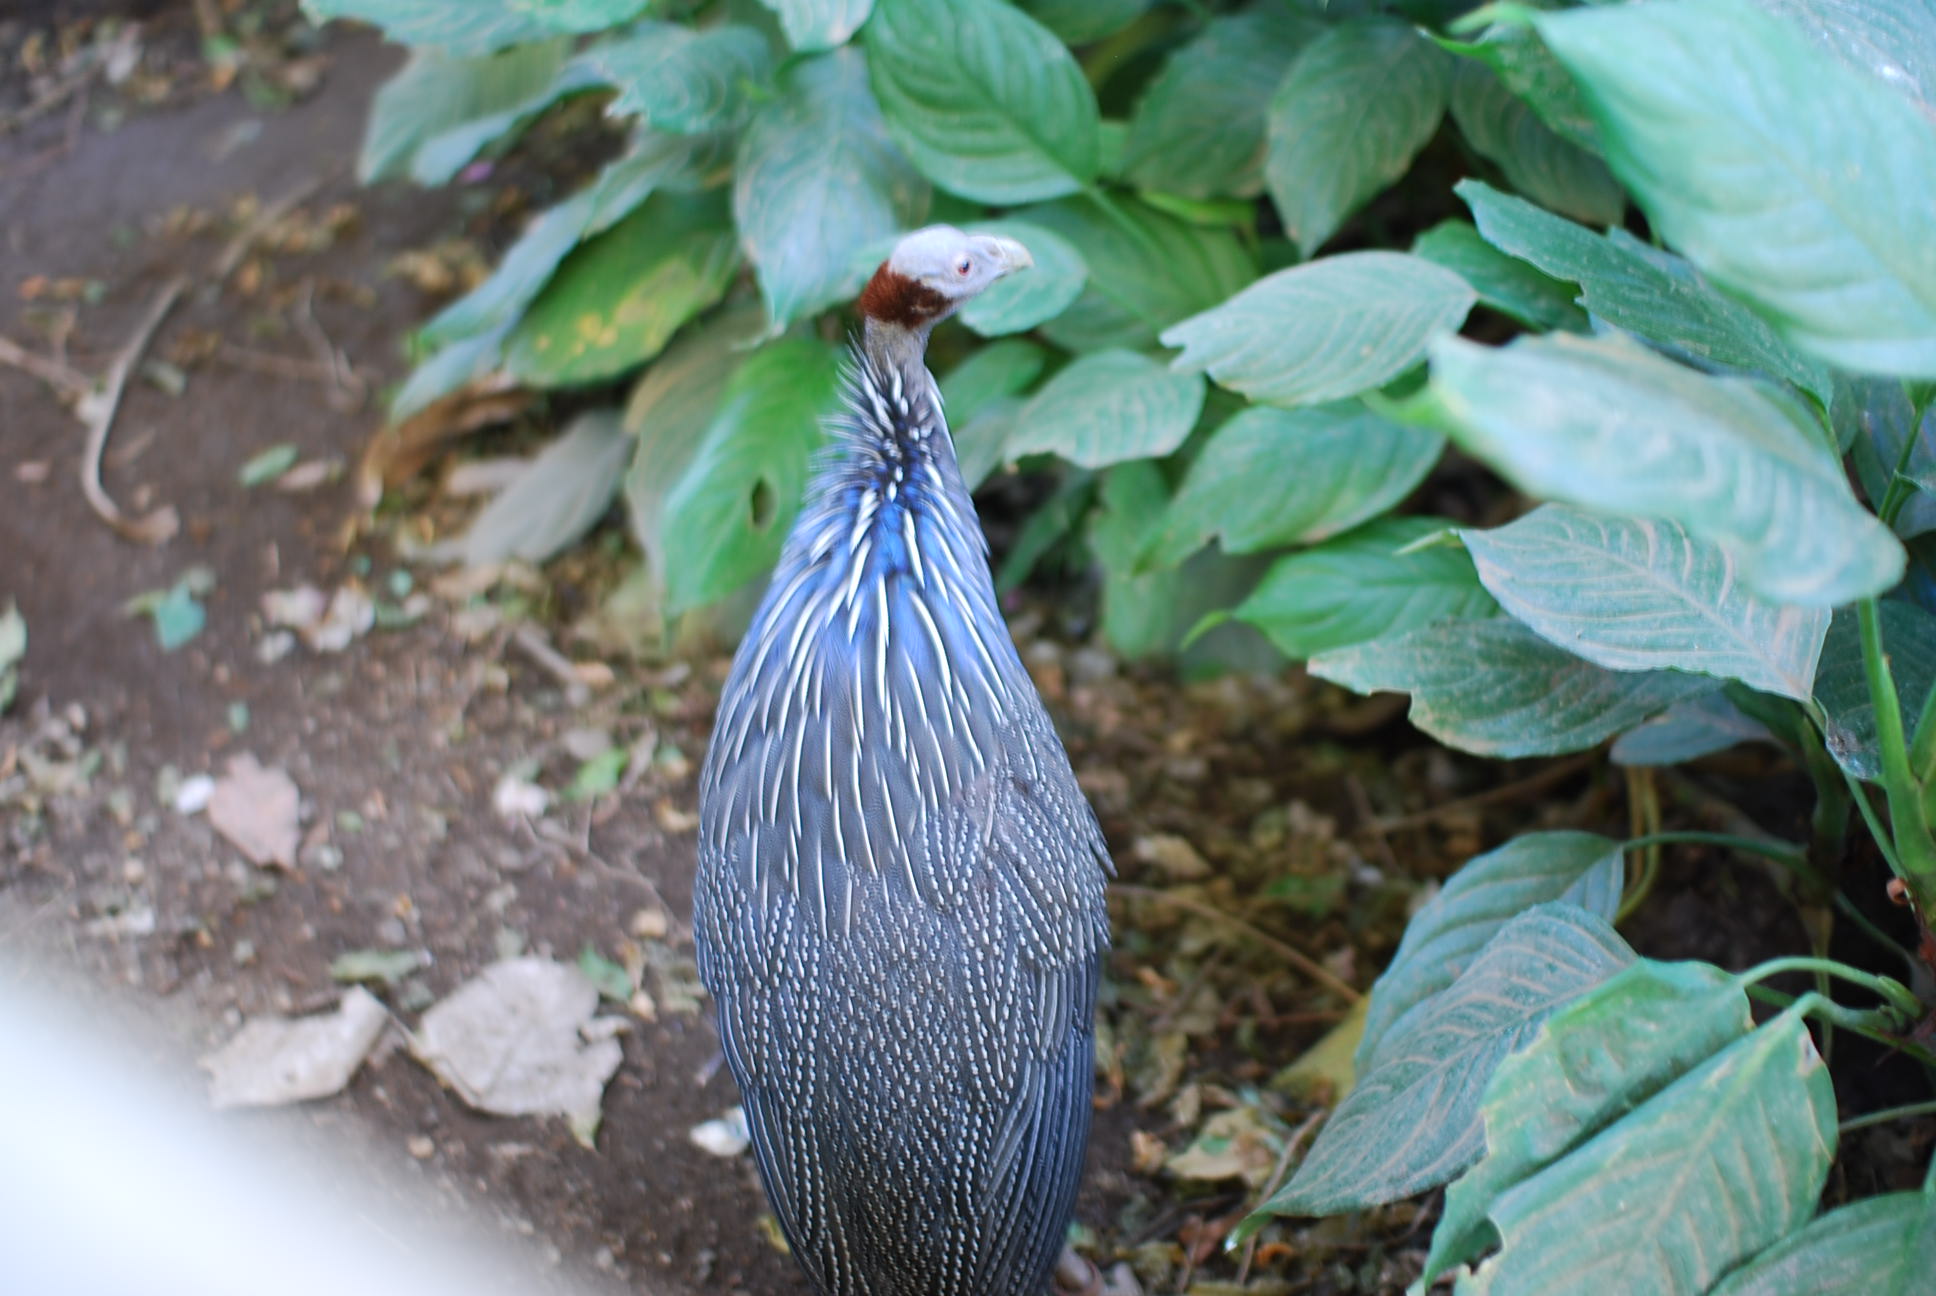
(397, 742)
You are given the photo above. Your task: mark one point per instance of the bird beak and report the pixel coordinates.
(1010, 255)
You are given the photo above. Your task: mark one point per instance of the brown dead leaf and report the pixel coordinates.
(400, 451)
(257, 809)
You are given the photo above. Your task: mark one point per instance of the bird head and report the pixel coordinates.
(932, 271)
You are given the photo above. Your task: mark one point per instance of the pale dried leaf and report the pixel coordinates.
(257, 809)
(277, 1060)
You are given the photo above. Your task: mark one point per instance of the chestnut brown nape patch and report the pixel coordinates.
(893, 298)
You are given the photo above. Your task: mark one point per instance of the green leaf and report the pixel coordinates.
(1724, 1161)
(1360, 586)
(1139, 609)
(726, 519)
(1044, 291)
(599, 776)
(1634, 594)
(1842, 684)
(669, 411)
(1328, 329)
(528, 266)
(557, 499)
(1877, 414)
(1607, 425)
(608, 978)
(176, 612)
(1893, 41)
(987, 103)
(1106, 407)
(1536, 161)
(435, 93)
(1003, 368)
(1358, 104)
(619, 298)
(1593, 1061)
(813, 25)
(981, 442)
(1147, 269)
(682, 79)
(1521, 60)
(1077, 22)
(13, 646)
(1643, 290)
(1199, 130)
(1445, 936)
(1271, 477)
(817, 179)
(269, 465)
(1688, 730)
(1882, 1246)
(466, 360)
(1412, 1121)
(384, 966)
(1505, 283)
(477, 26)
(1792, 181)
(1497, 689)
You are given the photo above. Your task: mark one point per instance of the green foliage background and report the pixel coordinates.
(1240, 363)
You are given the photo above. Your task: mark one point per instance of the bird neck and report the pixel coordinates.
(894, 348)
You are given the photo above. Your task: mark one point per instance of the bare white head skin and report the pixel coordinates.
(930, 273)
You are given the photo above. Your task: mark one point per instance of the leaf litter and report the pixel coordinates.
(274, 1061)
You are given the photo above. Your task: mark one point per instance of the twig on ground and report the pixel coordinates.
(347, 389)
(1289, 953)
(276, 366)
(97, 410)
(1537, 782)
(70, 383)
(1291, 1145)
(531, 641)
(1368, 822)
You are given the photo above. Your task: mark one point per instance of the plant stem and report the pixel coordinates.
(1897, 995)
(1780, 851)
(1889, 1114)
(1915, 848)
(1850, 1019)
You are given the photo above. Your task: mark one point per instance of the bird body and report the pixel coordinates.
(899, 904)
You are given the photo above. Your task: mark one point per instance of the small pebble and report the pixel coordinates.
(421, 1147)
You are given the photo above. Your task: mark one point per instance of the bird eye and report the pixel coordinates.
(963, 266)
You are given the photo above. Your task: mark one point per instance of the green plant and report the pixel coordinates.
(1699, 572)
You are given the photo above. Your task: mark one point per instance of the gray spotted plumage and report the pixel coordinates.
(899, 903)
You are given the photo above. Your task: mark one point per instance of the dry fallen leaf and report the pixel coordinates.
(277, 1060)
(257, 809)
(519, 1039)
(402, 450)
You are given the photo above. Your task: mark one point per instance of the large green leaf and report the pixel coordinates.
(818, 178)
(1505, 283)
(1892, 40)
(1003, 368)
(1882, 1246)
(1594, 1060)
(1106, 407)
(1360, 587)
(1535, 160)
(1842, 684)
(1147, 269)
(987, 103)
(435, 93)
(557, 499)
(812, 25)
(1724, 1161)
(1041, 293)
(1271, 477)
(682, 79)
(1328, 329)
(726, 519)
(1877, 414)
(619, 299)
(1635, 594)
(1520, 59)
(1412, 1121)
(466, 360)
(1358, 104)
(1643, 290)
(1199, 129)
(1791, 180)
(528, 265)
(1495, 688)
(1607, 425)
(670, 409)
(477, 26)
(1445, 936)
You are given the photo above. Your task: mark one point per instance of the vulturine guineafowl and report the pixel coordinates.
(899, 905)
